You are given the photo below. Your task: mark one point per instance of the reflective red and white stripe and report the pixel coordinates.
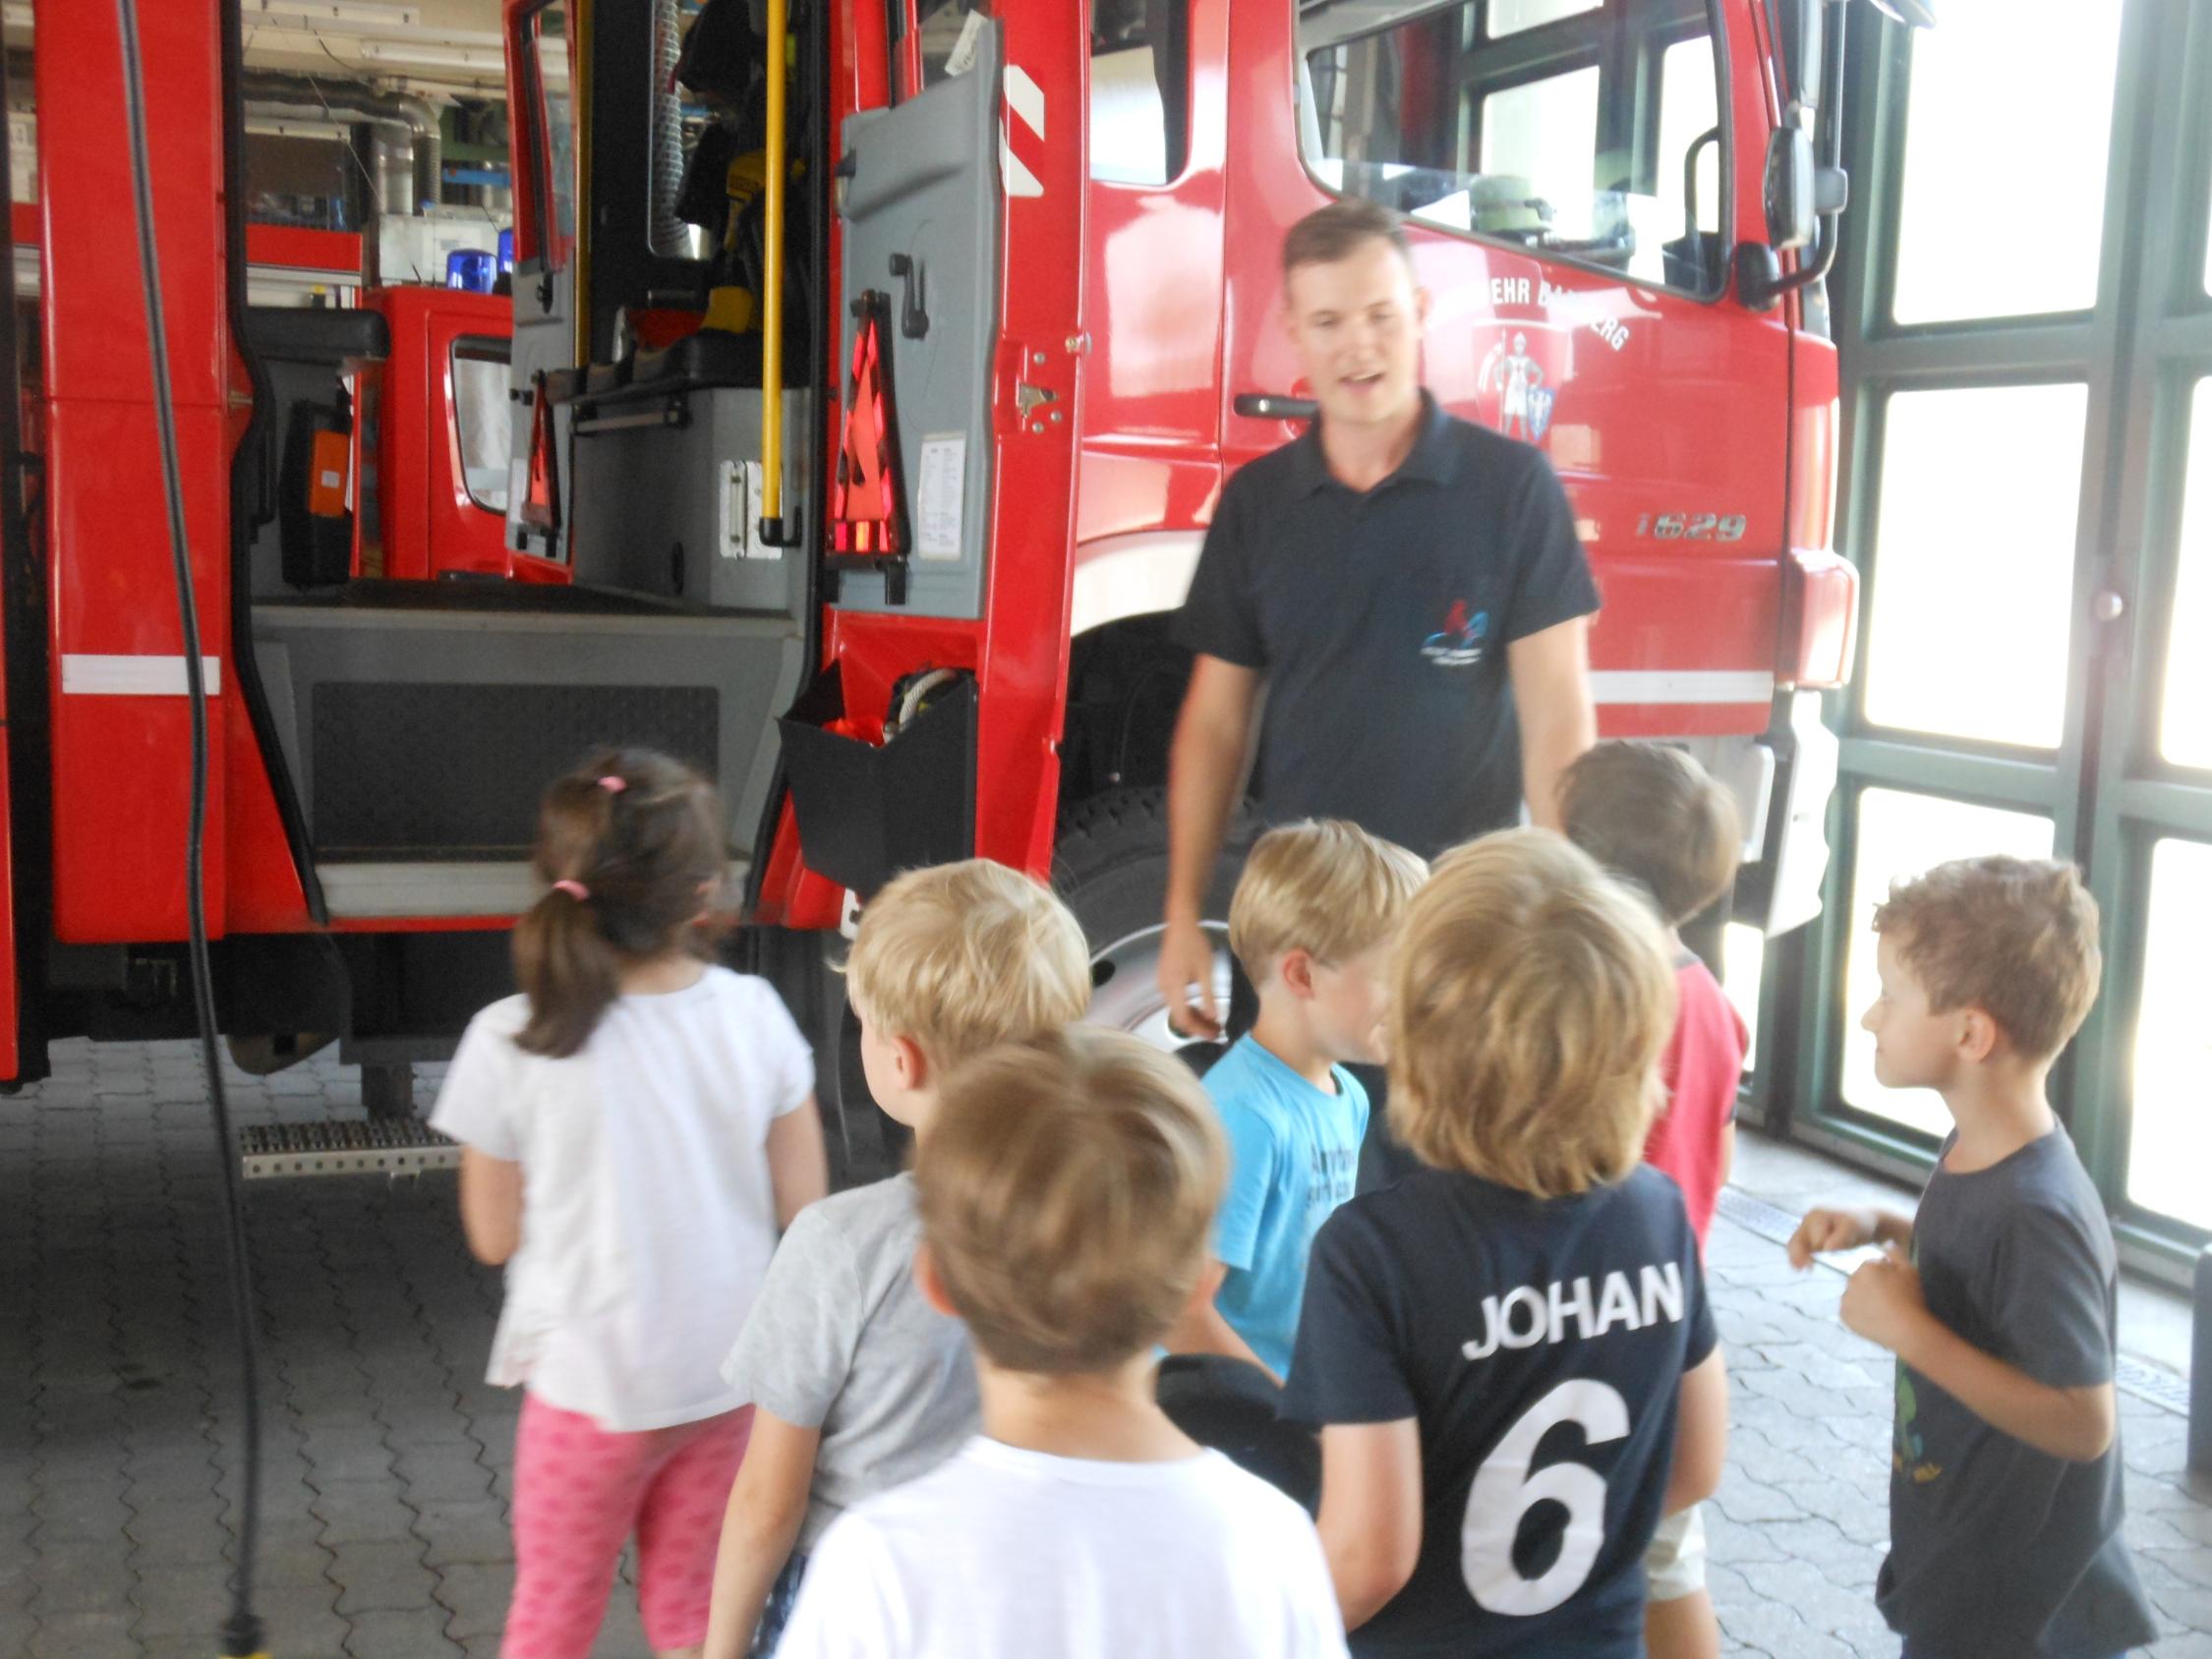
(1021, 130)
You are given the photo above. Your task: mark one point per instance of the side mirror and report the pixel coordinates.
(1806, 187)
(1790, 192)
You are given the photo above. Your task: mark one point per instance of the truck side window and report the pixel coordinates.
(1140, 79)
(1585, 130)
(1140, 90)
(551, 179)
(480, 419)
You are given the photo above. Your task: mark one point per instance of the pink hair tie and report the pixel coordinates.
(574, 890)
(614, 785)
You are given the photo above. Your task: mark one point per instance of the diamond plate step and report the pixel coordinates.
(384, 1146)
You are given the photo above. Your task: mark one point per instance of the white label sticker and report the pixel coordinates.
(961, 58)
(943, 481)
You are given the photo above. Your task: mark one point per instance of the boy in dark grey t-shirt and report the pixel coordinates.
(1998, 1297)
(857, 1384)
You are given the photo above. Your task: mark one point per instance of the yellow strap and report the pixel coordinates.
(729, 309)
(772, 270)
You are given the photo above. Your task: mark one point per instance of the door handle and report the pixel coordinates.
(913, 299)
(1274, 406)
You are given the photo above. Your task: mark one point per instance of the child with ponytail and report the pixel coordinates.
(638, 1125)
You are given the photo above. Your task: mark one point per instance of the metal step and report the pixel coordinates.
(386, 1146)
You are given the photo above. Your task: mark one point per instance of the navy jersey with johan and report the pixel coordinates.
(1381, 620)
(1539, 1345)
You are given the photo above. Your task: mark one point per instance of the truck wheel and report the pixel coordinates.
(1111, 868)
(857, 1136)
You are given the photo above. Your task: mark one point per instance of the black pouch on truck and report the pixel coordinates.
(867, 810)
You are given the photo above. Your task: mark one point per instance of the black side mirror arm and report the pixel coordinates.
(1790, 186)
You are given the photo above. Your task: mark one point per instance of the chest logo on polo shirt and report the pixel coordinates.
(1459, 644)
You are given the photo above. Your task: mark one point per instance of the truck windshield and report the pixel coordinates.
(1584, 129)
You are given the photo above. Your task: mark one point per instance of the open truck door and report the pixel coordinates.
(541, 60)
(951, 472)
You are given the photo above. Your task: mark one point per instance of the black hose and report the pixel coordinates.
(241, 1634)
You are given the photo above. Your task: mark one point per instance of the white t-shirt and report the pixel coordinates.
(1005, 1554)
(647, 1212)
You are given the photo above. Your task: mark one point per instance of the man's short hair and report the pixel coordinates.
(1068, 1187)
(1651, 812)
(2013, 937)
(1326, 887)
(1329, 234)
(1530, 999)
(960, 957)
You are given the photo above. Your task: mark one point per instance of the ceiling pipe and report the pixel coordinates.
(404, 123)
(405, 126)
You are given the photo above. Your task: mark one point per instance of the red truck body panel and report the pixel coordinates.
(120, 724)
(1147, 310)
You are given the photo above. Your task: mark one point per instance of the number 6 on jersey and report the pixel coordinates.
(1504, 1491)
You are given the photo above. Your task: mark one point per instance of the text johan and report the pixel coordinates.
(1526, 1316)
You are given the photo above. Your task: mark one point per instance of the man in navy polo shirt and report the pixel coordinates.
(1407, 586)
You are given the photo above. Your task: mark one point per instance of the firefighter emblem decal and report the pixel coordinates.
(1515, 387)
(1459, 644)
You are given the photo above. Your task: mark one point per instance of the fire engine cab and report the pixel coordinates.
(874, 371)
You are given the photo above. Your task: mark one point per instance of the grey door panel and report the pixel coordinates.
(924, 190)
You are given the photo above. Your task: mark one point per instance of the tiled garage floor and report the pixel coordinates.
(388, 1458)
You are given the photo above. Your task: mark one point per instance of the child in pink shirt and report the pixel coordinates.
(1654, 817)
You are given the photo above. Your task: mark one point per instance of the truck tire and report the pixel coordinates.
(863, 1144)
(1110, 867)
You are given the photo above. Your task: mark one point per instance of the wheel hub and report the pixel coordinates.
(1125, 985)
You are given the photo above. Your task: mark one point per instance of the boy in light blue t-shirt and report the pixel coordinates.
(1311, 923)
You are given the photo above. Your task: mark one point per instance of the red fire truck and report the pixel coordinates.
(871, 484)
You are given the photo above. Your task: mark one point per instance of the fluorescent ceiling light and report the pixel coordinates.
(290, 33)
(335, 10)
(436, 57)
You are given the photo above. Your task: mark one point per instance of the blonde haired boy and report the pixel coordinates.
(857, 1383)
(1998, 1299)
(1311, 923)
(1068, 1186)
(1535, 1275)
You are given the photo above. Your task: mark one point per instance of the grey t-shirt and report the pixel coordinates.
(842, 1341)
(1994, 1546)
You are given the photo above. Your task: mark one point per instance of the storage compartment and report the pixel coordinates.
(866, 811)
(420, 722)
(665, 491)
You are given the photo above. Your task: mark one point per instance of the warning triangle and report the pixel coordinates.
(864, 516)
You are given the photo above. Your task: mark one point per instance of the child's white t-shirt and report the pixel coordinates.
(1002, 1553)
(648, 1218)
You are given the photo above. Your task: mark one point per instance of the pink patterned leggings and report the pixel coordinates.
(580, 1491)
